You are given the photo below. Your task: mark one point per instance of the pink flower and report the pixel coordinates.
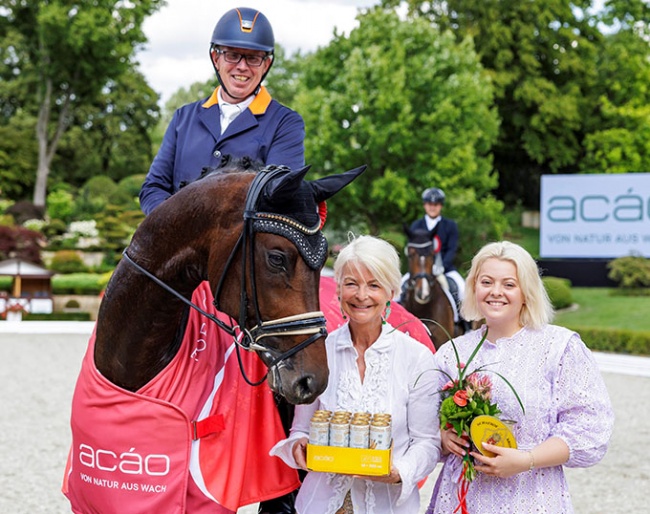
(479, 384)
(460, 398)
(449, 385)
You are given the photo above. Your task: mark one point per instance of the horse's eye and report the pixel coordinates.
(277, 260)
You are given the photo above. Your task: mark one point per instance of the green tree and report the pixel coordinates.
(116, 126)
(59, 54)
(541, 57)
(17, 155)
(618, 130)
(414, 106)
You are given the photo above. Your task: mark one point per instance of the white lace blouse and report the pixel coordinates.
(399, 380)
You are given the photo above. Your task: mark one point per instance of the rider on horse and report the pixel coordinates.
(446, 232)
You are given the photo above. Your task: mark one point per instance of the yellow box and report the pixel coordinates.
(348, 461)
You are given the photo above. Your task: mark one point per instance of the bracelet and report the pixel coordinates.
(532, 460)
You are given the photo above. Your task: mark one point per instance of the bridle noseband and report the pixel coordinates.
(312, 324)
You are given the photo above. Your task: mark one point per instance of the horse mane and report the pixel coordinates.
(230, 164)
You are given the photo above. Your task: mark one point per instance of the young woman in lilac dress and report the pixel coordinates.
(568, 416)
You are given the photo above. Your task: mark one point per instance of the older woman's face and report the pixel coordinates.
(363, 298)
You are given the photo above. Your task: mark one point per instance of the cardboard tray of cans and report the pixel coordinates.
(348, 461)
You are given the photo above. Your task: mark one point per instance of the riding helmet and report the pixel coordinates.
(243, 27)
(433, 195)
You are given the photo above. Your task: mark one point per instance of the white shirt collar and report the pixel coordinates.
(229, 112)
(431, 222)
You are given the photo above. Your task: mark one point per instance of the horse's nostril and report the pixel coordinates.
(304, 389)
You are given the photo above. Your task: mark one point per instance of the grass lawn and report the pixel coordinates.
(598, 308)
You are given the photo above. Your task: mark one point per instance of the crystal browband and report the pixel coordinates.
(289, 221)
(311, 244)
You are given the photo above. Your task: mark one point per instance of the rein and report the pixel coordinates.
(312, 323)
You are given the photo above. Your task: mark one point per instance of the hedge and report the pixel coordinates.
(58, 316)
(632, 342)
(78, 283)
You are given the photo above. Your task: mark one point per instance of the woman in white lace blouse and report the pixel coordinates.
(373, 368)
(569, 417)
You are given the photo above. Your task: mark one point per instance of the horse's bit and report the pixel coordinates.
(314, 252)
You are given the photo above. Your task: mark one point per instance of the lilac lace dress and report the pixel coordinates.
(564, 395)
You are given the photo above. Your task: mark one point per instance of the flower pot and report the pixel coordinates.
(14, 316)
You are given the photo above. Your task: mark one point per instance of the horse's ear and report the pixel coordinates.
(285, 186)
(327, 187)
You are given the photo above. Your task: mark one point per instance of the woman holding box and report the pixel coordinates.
(374, 368)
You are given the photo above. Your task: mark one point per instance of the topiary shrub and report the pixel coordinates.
(559, 291)
(132, 184)
(72, 304)
(67, 261)
(631, 272)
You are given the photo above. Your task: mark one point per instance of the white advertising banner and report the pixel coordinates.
(595, 216)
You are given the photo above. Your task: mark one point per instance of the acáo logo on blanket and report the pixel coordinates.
(129, 463)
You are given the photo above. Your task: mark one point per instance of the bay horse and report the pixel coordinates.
(244, 249)
(423, 295)
(202, 233)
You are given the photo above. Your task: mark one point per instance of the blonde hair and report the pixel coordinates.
(377, 255)
(537, 309)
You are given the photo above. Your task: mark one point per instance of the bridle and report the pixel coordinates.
(422, 250)
(312, 324)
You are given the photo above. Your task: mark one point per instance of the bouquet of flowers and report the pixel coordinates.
(13, 307)
(466, 397)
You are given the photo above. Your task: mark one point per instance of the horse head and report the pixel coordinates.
(421, 250)
(256, 238)
(282, 251)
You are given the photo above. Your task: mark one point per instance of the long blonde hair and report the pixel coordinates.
(537, 309)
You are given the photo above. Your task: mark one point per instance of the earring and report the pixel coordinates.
(386, 313)
(342, 311)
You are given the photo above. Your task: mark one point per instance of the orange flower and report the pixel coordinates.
(460, 398)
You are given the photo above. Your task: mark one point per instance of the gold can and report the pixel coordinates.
(359, 433)
(339, 434)
(319, 432)
(380, 435)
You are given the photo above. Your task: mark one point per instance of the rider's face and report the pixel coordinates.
(241, 79)
(433, 210)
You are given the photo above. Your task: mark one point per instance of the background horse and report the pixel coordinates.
(422, 294)
(148, 407)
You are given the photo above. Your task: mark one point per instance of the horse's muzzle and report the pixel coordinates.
(295, 379)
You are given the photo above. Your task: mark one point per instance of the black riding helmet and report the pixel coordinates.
(433, 195)
(243, 27)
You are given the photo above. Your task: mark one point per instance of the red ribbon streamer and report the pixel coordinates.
(463, 489)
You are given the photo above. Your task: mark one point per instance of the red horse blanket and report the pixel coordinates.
(131, 452)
